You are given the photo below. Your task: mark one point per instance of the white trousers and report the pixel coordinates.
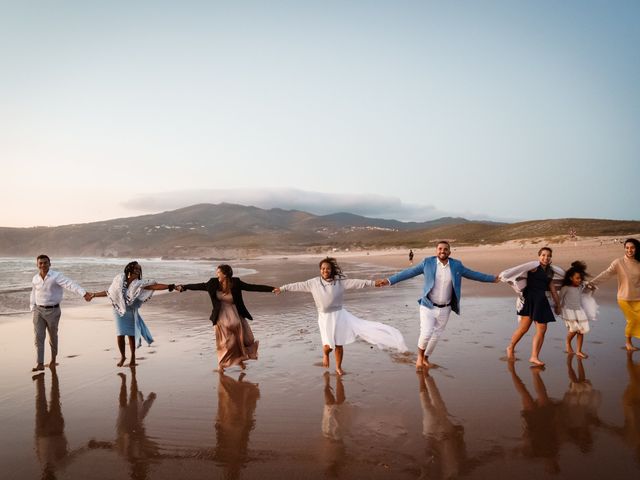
(432, 323)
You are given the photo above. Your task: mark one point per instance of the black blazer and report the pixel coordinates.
(237, 286)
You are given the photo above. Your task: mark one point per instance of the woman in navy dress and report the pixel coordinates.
(535, 306)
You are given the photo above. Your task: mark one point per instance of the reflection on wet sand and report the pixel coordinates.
(540, 415)
(237, 402)
(579, 411)
(132, 441)
(335, 425)
(51, 443)
(445, 447)
(631, 406)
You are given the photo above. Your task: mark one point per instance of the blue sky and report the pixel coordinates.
(496, 109)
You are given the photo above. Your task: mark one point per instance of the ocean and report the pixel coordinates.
(94, 273)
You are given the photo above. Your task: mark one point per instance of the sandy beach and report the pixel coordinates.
(473, 415)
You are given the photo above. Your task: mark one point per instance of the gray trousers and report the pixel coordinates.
(45, 319)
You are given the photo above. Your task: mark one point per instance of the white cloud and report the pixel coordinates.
(318, 203)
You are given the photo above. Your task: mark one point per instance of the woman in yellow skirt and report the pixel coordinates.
(627, 270)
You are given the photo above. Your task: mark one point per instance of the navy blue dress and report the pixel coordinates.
(536, 305)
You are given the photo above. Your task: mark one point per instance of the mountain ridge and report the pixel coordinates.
(209, 230)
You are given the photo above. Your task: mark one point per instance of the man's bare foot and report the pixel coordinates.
(582, 355)
(426, 362)
(38, 368)
(133, 363)
(419, 364)
(339, 371)
(536, 362)
(510, 355)
(631, 348)
(121, 362)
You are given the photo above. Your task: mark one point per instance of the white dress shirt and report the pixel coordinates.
(442, 290)
(48, 291)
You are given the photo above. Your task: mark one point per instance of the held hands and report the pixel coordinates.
(382, 282)
(179, 288)
(277, 291)
(88, 296)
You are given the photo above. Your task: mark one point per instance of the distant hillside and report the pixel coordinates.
(207, 230)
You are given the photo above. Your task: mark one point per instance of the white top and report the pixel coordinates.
(442, 290)
(122, 297)
(48, 291)
(328, 295)
(570, 297)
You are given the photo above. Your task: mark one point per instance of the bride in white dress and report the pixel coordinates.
(337, 326)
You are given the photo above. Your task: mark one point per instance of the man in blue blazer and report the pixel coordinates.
(441, 294)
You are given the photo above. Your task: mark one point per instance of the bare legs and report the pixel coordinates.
(326, 350)
(132, 349)
(339, 354)
(523, 327)
(579, 343)
(538, 340)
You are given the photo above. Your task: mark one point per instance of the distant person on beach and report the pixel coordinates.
(337, 326)
(47, 288)
(411, 257)
(532, 280)
(627, 270)
(127, 293)
(576, 312)
(235, 342)
(441, 294)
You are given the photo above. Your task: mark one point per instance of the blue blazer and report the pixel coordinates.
(428, 268)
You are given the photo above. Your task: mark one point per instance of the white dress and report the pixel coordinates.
(337, 325)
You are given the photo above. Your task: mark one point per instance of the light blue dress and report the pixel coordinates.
(132, 324)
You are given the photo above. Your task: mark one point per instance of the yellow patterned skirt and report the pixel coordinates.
(631, 311)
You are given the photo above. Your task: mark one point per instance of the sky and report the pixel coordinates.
(411, 110)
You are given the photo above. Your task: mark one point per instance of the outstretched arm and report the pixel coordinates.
(251, 287)
(352, 283)
(406, 274)
(161, 286)
(295, 287)
(606, 274)
(195, 286)
(72, 286)
(479, 276)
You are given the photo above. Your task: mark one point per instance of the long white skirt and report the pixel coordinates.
(342, 328)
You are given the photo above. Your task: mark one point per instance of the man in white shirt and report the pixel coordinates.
(47, 288)
(441, 294)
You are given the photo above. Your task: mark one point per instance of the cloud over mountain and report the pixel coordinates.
(368, 205)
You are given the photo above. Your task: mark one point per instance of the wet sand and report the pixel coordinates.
(473, 416)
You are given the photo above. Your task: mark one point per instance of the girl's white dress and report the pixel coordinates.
(337, 325)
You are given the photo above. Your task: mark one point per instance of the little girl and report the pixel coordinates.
(577, 306)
